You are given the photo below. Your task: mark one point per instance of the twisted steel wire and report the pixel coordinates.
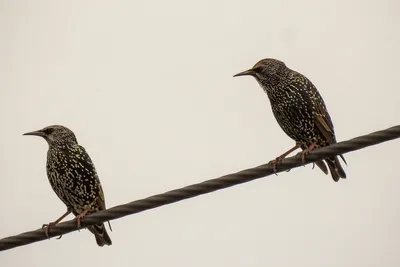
(202, 188)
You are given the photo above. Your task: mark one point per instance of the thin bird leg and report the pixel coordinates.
(276, 160)
(80, 216)
(46, 227)
(307, 150)
(83, 213)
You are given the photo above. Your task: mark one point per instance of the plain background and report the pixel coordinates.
(147, 88)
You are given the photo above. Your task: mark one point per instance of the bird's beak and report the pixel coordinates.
(246, 72)
(37, 133)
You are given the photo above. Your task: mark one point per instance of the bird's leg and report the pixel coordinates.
(307, 150)
(80, 216)
(277, 159)
(46, 227)
(83, 213)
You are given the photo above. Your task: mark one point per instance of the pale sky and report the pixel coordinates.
(147, 88)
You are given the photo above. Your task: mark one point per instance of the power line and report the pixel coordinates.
(202, 188)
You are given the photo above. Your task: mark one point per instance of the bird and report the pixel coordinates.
(74, 179)
(299, 110)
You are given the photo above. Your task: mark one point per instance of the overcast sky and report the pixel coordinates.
(147, 88)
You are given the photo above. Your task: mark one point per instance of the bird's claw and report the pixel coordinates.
(303, 160)
(306, 151)
(46, 228)
(79, 217)
(273, 163)
(302, 155)
(78, 221)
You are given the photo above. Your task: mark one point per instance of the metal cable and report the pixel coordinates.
(202, 188)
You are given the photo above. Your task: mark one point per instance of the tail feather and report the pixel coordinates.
(335, 168)
(100, 232)
(322, 166)
(341, 156)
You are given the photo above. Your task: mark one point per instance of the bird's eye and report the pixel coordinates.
(257, 69)
(48, 130)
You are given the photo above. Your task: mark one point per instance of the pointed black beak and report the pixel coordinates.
(37, 133)
(250, 72)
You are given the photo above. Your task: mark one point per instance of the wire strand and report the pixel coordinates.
(202, 188)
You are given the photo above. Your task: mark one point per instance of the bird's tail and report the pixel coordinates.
(335, 168)
(100, 232)
(322, 166)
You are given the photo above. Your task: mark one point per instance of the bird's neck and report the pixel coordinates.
(270, 86)
(62, 145)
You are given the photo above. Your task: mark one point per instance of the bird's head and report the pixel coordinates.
(266, 71)
(55, 134)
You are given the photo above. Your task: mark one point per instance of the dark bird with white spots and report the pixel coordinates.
(299, 109)
(73, 177)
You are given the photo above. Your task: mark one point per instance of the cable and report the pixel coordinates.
(202, 188)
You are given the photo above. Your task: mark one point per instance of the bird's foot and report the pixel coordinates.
(278, 159)
(78, 220)
(302, 155)
(79, 217)
(306, 151)
(46, 228)
(274, 162)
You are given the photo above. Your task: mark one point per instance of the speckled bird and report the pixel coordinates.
(299, 109)
(73, 177)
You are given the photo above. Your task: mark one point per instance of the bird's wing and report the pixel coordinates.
(316, 105)
(87, 161)
(322, 119)
(322, 125)
(101, 200)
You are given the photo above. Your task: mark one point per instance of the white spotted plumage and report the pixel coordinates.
(73, 177)
(298, 108)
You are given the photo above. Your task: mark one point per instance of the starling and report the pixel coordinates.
(299, 109)
(73, 177)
